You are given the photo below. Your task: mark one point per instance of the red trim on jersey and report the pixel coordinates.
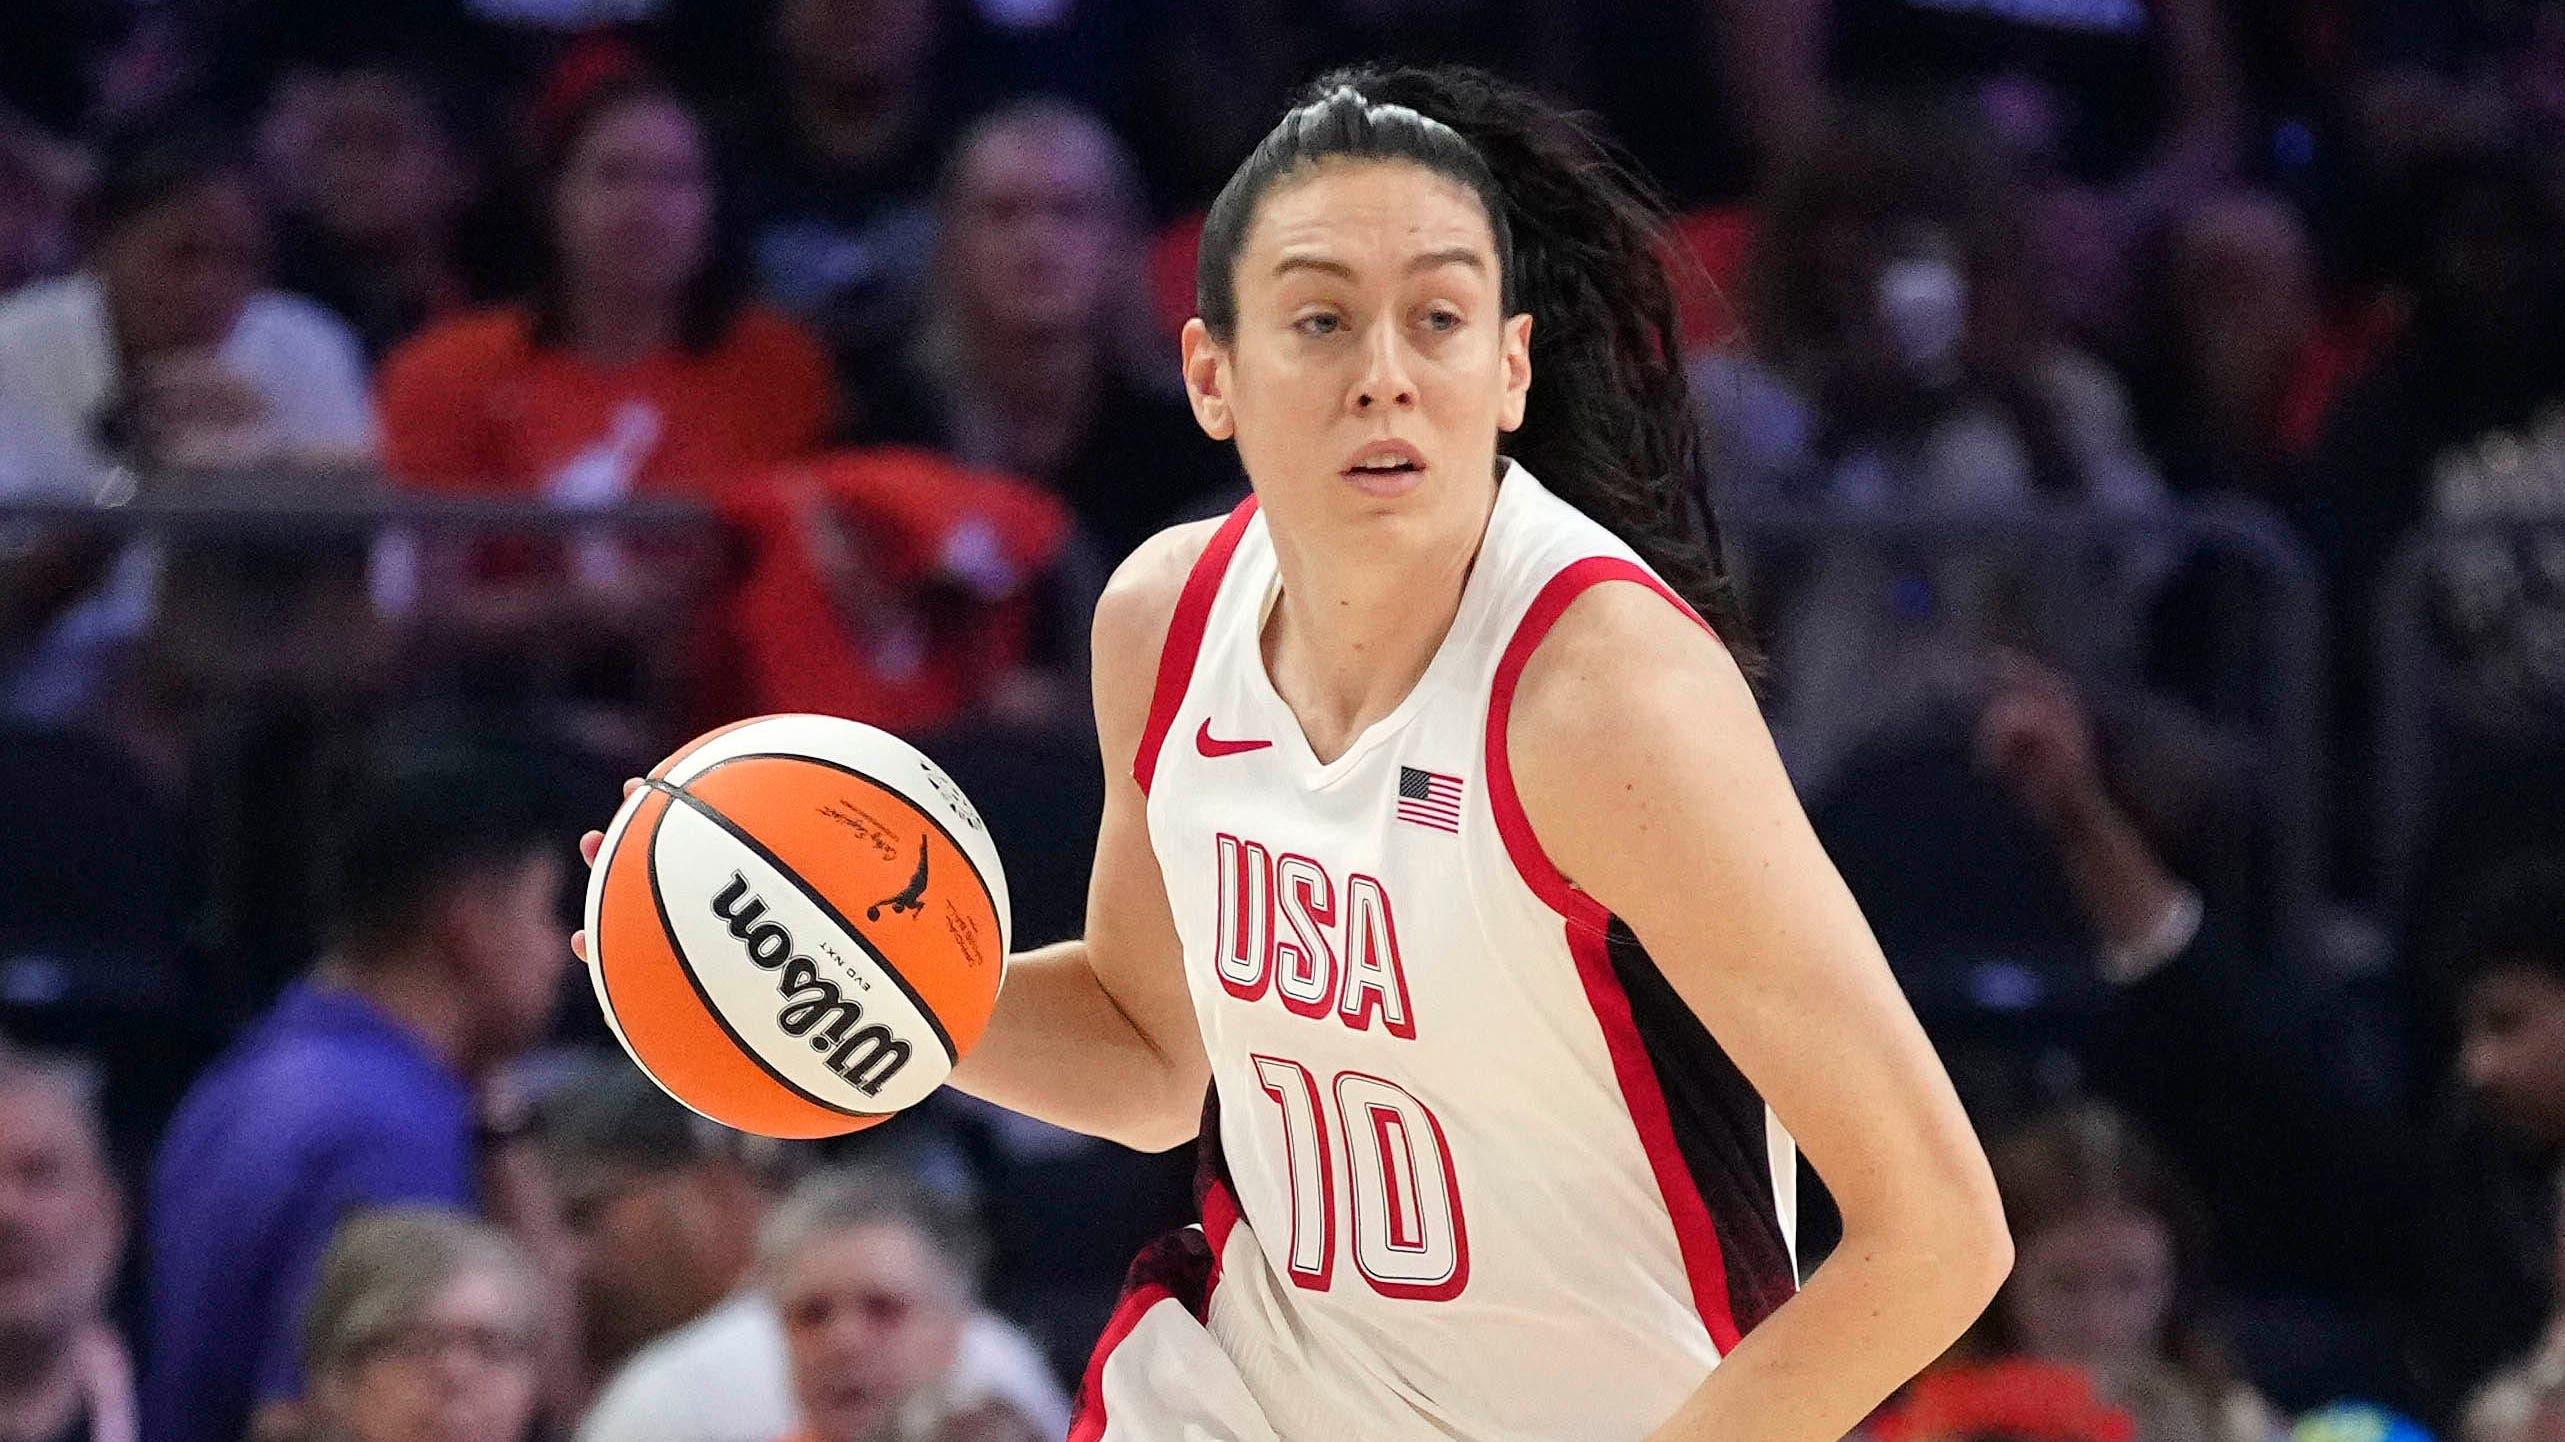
(1705, 1262)
(1221, 1214)
(1530, 861)
(1135, 1304)
(1184, 639)
(1174, 1280)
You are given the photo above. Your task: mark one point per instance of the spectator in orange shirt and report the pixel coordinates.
(638, 365)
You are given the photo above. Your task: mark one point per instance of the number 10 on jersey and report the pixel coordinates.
(1409, 1239)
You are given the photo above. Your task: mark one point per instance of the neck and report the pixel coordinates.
(40, 1388)
(407, 989)
(1358, 623)
(617, 325)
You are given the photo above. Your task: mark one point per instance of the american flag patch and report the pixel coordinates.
(1429, 798)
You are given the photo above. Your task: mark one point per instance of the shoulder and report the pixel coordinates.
(1139, 604)
(279, 317)
(1133, 619)
(999, 1362)
(464, 347)
(763, 331)
(48, 306)
(726, 1366)
(350, 1086)
(1619, 674)
(2086, 394)
(302, 1107)
(769, 360)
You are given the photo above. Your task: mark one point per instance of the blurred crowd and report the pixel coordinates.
(2140, 425)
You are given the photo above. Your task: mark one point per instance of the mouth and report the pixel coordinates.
(1386, 468)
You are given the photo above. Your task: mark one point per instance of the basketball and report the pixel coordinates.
(797, 926)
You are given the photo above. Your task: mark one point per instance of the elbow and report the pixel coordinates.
(1163, 1116)
(1994, 1263)
(1156, 1133)
(1979, 1252)
(1955, 1252)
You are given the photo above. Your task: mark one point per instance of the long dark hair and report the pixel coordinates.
(1610, 424)
(720, 289)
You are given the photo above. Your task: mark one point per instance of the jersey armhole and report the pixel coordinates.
(1522, 846)
(1184, 639)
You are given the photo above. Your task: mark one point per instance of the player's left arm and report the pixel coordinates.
(1649, 777)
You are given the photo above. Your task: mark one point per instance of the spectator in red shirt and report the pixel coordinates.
(638, 365)
(897, 588)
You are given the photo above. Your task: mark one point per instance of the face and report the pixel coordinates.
(503, 926)
(462, 1370)
(856, 44)
(381, 167)
(2511, 1050)
(634, 207)
(2095, 1290)
(61, 1222)
(1373, 364)
(1033, 230)
(178, 274)
(655, 1248)
(873, 1318)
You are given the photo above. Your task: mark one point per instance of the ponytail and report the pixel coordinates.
(1610, 425)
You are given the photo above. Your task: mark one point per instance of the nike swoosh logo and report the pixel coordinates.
(1204, 742)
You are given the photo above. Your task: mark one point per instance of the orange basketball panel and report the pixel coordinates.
(861, 846)
(667, 1023)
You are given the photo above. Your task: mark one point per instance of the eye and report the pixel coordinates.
(1442, 318)
(1319, 323)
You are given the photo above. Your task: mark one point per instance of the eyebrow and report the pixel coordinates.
(1430, 260)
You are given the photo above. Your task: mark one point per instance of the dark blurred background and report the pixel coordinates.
(2140, 423)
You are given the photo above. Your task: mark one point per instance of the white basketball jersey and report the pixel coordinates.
(1485, 1174)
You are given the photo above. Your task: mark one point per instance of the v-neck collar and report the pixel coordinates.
(1293, 741)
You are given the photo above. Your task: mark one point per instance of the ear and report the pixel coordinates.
(1516, 361)
(1206, 363)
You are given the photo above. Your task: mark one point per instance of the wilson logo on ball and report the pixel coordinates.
(814, 1007)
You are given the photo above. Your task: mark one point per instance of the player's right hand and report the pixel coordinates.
(589, 846)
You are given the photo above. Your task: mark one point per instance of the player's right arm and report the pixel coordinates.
(1098, 1035)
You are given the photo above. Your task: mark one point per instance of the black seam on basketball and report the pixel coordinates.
(843, 769)
(837, 918)
(685, 964)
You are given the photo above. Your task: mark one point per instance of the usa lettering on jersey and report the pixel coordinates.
(1286, 929)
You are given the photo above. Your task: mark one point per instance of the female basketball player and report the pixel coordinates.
(1446, 848)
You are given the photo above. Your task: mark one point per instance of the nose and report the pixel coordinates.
(1385, 383)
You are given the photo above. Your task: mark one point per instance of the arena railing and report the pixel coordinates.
(2288, 717)
(333, 510)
